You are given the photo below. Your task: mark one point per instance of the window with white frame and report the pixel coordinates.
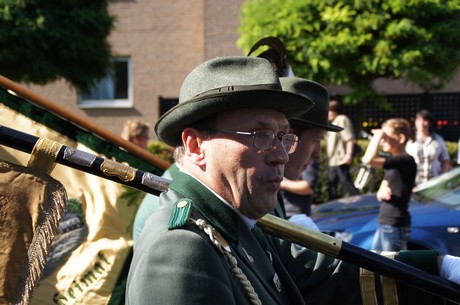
(113, 91)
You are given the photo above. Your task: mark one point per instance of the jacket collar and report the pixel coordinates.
(216, 212)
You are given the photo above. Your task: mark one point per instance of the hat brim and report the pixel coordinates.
(328, 126)
(170, 126)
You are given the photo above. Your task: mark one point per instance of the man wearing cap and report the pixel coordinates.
(232, 138)
(311, 128)
(322, 279)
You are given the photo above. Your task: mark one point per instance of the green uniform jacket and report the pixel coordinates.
(181, 265)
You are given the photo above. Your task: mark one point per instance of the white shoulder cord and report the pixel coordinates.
(219, 242)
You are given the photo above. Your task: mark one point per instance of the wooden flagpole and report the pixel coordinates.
(83, 123)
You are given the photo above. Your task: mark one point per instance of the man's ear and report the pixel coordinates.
(193, 140)
(402, 138)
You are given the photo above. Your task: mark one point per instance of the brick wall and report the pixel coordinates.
(165, 41)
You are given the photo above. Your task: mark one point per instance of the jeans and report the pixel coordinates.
(391, 238)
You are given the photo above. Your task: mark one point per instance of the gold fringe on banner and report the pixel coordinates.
(31, 205)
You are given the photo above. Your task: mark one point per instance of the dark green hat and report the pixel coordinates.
(316, 116)
(227, 83)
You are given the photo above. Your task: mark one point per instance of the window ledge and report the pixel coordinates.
(105, 104)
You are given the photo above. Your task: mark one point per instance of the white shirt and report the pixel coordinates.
(428, 155)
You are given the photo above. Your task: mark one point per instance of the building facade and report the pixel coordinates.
(156, 44)
(159, 43)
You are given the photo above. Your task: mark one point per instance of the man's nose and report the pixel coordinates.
(278, 154)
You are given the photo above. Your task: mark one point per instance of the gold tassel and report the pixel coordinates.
(40, 201)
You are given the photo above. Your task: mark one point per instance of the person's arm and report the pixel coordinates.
(446, 166)
(384, 192)
(449, 268)
(371, 156)
(458, 152)
(347, 135)
(304, 220)
(298, 187)
(167, 268)
(317, 275)
(349, 146)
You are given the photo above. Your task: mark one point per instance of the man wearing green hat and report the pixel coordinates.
(232, 138)
(322, 279)
(231, 134)
(311, 128)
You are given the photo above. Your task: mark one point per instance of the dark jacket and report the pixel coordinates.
(181, 265)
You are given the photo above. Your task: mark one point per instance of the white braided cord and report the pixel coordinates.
(247, 286)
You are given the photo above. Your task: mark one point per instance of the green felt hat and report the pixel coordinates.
(227, 83)
(318, 114)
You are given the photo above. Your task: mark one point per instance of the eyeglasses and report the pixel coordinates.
(265, 139)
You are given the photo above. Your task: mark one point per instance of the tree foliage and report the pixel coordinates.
(44, 40)
(355, 42)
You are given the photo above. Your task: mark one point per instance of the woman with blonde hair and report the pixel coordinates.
(136, 132)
